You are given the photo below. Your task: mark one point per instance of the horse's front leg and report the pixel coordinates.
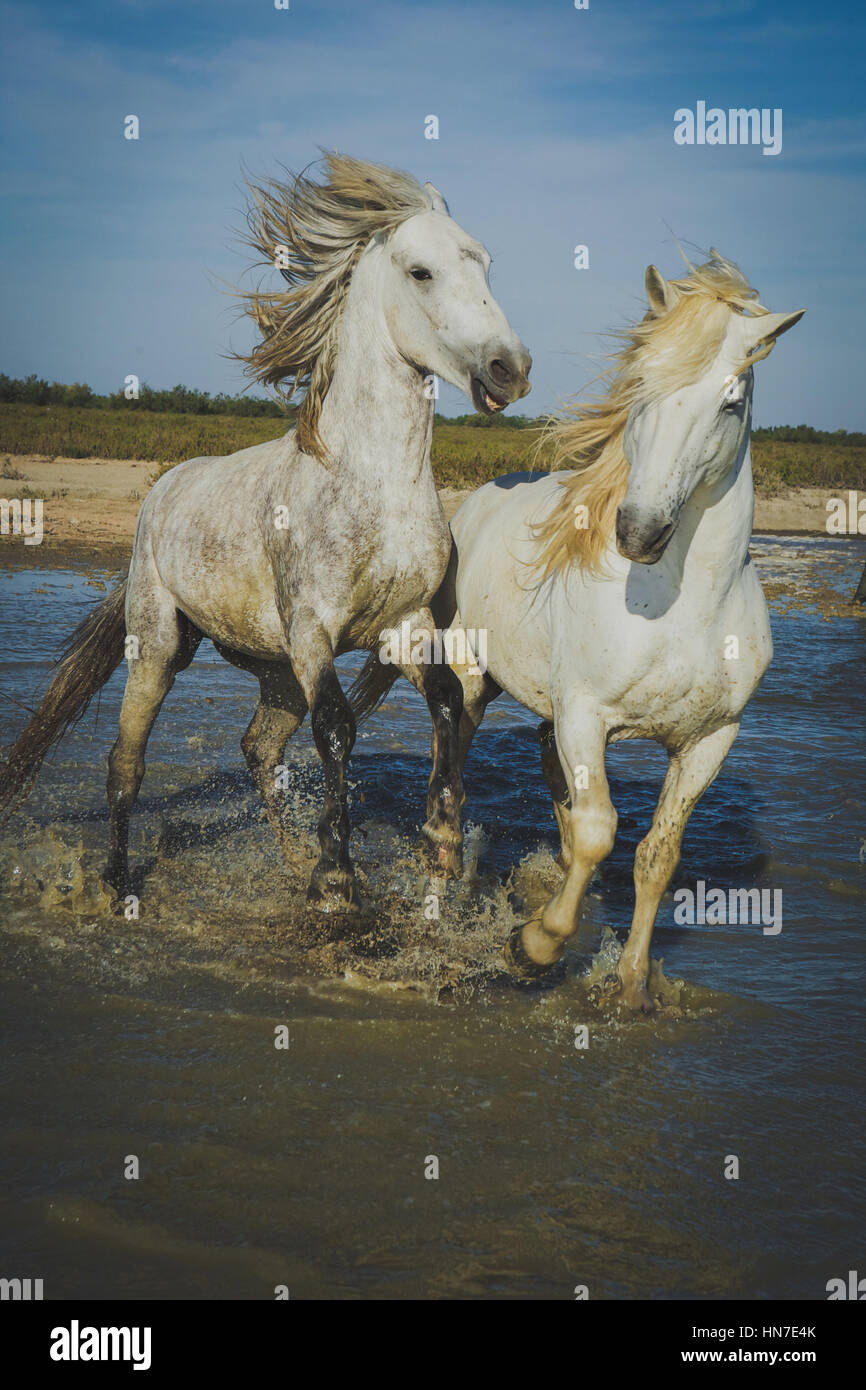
(688, 776)
(333, 886)
(443, 691)
(588, 824)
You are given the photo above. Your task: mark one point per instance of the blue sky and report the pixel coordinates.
(556, 128)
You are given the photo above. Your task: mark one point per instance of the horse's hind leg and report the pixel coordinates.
(279, 713)
(443, 692)
(688, 776)
(454, 724)
(478, 691)
(167, 642)
(556, 785)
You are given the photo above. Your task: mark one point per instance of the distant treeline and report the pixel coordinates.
(183, 400)
(32, 390)
(805, 434)
(487, 422)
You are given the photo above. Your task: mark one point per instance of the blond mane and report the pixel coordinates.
(661, 354)
(322, 229)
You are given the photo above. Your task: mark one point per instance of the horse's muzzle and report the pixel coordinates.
(504, 378)
(643, 540)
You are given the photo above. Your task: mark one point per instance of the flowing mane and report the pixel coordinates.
(315, 234)
(661, 354)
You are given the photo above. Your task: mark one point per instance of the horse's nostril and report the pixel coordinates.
(500, 371)
(641, 536)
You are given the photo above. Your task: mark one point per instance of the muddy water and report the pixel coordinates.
(558, 1165)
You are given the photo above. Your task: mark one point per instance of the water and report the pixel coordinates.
(305, 1166)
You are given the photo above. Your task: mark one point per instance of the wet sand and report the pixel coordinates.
(91, 505)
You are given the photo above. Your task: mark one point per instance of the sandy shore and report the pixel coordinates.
(90, 506)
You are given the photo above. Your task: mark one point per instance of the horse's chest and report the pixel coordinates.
(399, 574)
(686, 704)
(698, 680)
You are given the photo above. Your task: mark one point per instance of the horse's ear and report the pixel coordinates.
(659, 293)
(766, 328)
(437, 202)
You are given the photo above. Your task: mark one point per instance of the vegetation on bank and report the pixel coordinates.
(33, 390)
(78, 432)
(59, 421)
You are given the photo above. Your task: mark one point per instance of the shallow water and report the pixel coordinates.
(558, 1166)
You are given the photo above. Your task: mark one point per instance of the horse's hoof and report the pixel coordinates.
(448, 861)
(446, 856)
(333, 890)
(117, 892)
(635, 997)
(521, 965)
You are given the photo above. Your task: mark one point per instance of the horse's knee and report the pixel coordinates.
(332, 720)
(593, 831)
(259, 747)
(655, 859)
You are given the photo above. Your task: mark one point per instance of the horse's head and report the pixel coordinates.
(441, 315)
(692, 414)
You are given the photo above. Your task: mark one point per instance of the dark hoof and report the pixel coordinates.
(519, 964)
(333, 890)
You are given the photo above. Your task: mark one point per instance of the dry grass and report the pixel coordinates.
(462, 456)
(74, 432)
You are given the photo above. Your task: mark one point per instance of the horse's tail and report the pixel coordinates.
(370, 688)
(87, 660)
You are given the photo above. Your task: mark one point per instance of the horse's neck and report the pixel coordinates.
(720, 523)
(376, 421)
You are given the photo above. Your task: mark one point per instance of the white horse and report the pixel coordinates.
(294, 551)
(619, 599)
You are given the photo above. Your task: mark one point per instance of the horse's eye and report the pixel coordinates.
(420, 274)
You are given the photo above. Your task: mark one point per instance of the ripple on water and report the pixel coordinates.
(559, 1163)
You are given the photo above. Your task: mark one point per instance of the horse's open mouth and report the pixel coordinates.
(484, 399)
